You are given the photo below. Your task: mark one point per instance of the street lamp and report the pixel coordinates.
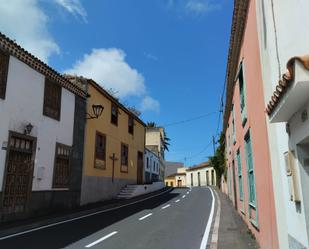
(97, 111)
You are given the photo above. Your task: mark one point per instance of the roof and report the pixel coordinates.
(286, 81)
(199, 166)
(114, 100)
(237, 31)
(11, 47)
(175, 174)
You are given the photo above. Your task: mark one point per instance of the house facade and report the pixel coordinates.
(283, 40)
(249, 174)
(114, 148)
(151, 166)
(201, 175)
(155, 143)
(41, 135)
(178, 179)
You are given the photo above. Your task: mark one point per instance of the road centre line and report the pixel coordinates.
(177, 200)
(166, 206)
(187, 192)
(146, 216)
(207, 229)
(183, 196)
(100, 240)
(80, 217)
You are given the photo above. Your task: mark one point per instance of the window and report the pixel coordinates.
(131, 125)
(62, 166)
(147, 162)
(233, 124)
(154, 166)
(251, 181)
(4, 66)
(124, 158)
(52, 99)
(240, 181)
(242, 91)
(100, 150)
(114, 115)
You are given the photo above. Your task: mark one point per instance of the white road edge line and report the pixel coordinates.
(183, 196)
(207, 229)
(177, 200)
(100, 240)
(146, 216)
(80, 217)
(215, 231)
(166, 206)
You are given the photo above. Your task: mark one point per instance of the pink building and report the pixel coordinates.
(249, 178)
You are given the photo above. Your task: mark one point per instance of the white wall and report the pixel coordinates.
(23, 104)
(152, 159)
(292, 26)
(202, 172)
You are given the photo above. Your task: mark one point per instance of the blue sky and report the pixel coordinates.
(165, 57)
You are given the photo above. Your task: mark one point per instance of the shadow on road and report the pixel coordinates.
(63, 235)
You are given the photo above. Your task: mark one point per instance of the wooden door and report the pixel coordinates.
(140, 166)
(179, 183)
(18, 174)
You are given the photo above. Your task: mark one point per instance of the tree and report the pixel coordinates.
(218, 160)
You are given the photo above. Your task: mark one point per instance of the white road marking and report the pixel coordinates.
(166, 206)
(207, 229)
(183, 196)
(144, 217)
(187, 192)
(80, 217)
(177, 200)
(100, 240)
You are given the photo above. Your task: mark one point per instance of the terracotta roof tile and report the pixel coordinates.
(286, 81)
(12, 48)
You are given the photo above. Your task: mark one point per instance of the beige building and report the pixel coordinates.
(177, 179)
(201, 175)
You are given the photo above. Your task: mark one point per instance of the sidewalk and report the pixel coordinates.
(233, 232)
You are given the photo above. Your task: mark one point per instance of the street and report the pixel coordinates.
(176, 219)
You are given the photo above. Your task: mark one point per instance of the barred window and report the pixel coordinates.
(114, 115)
(4, 65)
(62, 166)
(131, 125)
(124, 157)
(100, 146)
(52, 99)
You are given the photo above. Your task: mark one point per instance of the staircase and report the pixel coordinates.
(127, 192)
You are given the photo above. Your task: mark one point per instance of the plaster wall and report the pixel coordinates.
(288, 20)
(23, 104)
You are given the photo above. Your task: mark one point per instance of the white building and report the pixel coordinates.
(200, 175)
(152, 166)
(283, 33)
(41, 135)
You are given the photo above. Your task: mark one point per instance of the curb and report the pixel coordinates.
(11, 232)
(215, 232)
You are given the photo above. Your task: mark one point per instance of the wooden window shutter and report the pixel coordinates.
(4, 66)
(52, 99)
(62, 166)
(100, 146)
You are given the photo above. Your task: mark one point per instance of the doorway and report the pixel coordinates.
(140, 166)
(179, 183)
(199, 179)
(18, 174)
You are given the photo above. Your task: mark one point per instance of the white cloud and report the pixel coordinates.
(150, 104)
(74, 7)
(24, 21)
(109, 68)
(201, 6)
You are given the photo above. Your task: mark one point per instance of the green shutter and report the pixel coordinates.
(240, 180)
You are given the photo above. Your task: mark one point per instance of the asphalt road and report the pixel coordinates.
(174, 220)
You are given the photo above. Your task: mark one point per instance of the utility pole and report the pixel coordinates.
(214, 144)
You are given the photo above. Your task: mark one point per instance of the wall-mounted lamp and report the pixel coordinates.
(97, 111)
(28, 128)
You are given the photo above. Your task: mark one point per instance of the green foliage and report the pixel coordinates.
(218, 160)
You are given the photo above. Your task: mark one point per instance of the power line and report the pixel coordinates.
(190, 120)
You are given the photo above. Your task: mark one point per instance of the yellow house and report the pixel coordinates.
(114, 148)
